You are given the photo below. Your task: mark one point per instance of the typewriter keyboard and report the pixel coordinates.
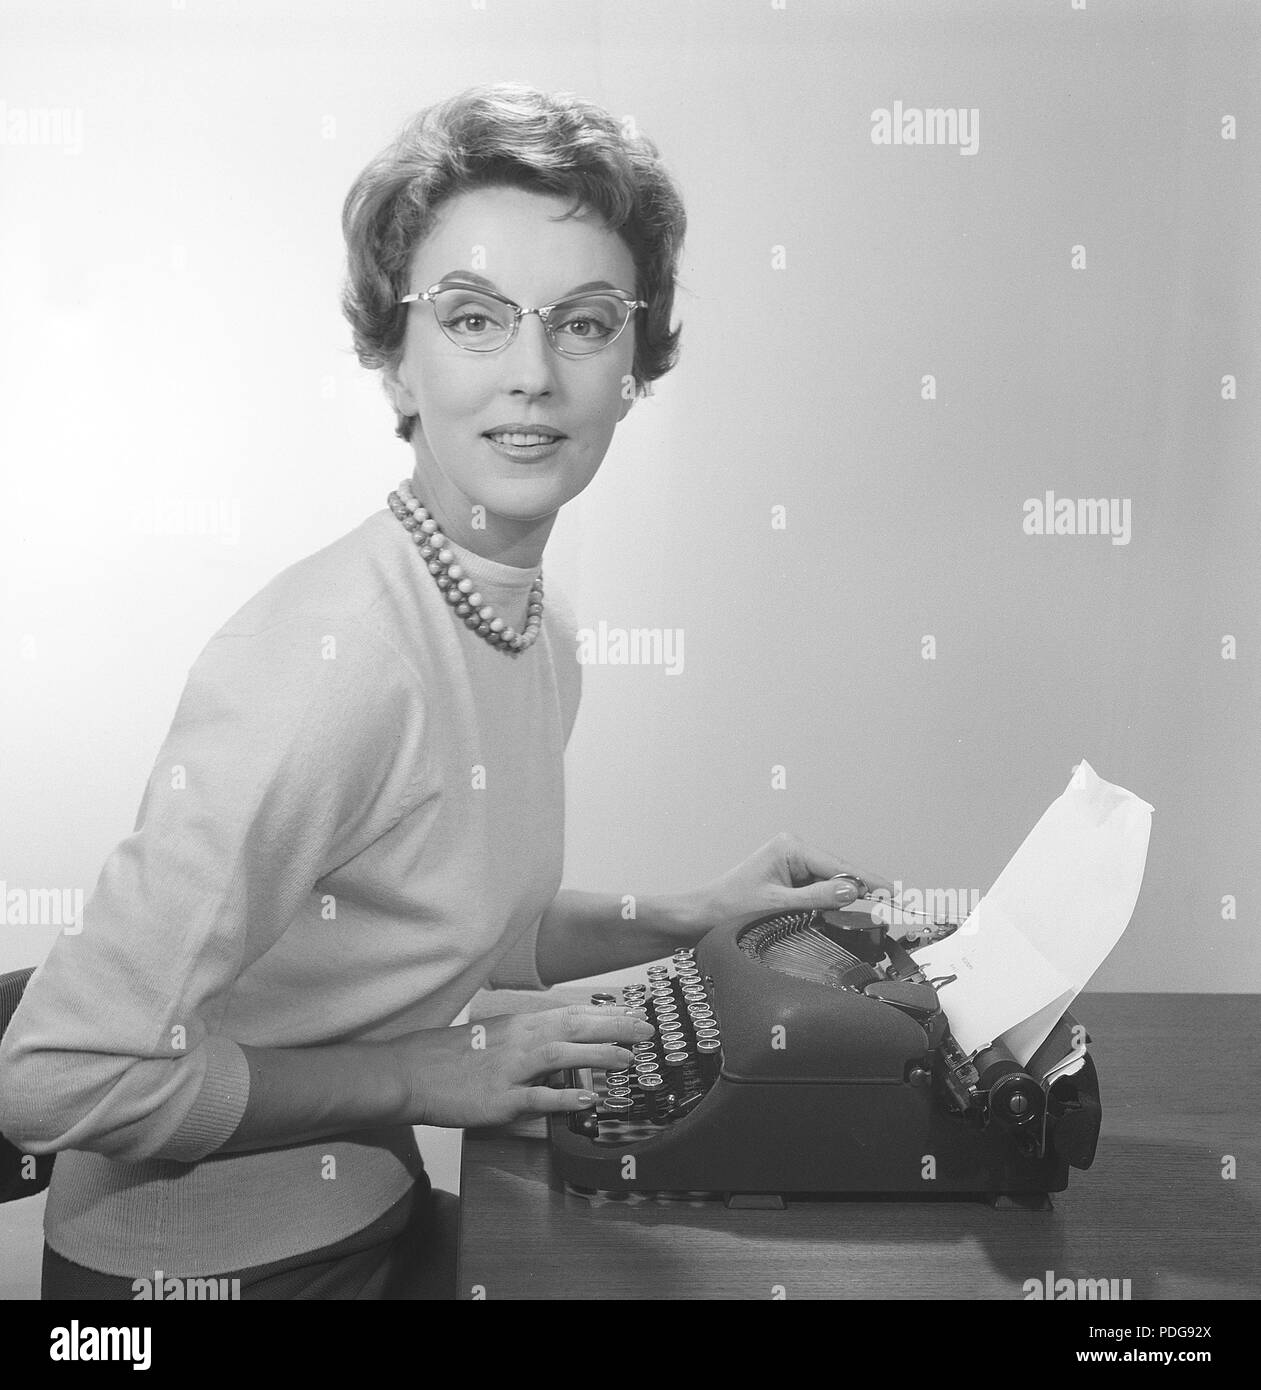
(671, 1072)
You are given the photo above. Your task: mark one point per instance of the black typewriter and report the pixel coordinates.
(807, 1053)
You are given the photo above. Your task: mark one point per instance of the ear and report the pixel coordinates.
(627, 402)
(400, 397)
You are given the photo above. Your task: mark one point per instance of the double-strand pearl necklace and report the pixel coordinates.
(457, 588)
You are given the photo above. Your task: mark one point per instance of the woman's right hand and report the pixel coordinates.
(494, 1070)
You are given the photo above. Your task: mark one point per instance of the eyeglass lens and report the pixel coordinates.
(577, 326)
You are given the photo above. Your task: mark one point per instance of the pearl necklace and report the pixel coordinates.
(457, 588)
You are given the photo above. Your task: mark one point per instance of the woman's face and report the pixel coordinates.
(506, 236)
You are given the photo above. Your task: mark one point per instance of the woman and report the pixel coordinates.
(356, 819)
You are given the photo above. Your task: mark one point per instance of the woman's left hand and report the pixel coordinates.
(785, 875)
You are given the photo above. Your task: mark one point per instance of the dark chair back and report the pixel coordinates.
(16, 1178)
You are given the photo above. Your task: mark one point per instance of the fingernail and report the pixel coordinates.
(846, 894)
(625, 1055)
(586, 1098)
(645, 1030)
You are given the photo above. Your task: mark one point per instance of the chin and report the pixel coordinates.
(526, 498)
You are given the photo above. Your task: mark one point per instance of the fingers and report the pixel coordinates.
(865, 877)
(594, 1023)
(542, 1100)
(556, 1055)
(806, 864)
(582, 1035)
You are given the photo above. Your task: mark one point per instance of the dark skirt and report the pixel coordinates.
(409, 1252)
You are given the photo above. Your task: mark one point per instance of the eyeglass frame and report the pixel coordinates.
(430, 295)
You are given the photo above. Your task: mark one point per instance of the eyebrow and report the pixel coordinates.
(472, 277)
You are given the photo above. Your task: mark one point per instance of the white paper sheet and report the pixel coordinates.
(1053, 914)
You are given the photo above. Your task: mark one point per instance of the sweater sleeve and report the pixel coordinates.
(517, 968)
(292, 748)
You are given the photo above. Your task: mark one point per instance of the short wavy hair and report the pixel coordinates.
(510, 134)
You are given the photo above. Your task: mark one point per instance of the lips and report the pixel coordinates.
(522, 435)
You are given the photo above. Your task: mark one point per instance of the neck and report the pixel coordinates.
(508, 540)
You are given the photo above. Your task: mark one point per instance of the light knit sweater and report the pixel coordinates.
(354, 823)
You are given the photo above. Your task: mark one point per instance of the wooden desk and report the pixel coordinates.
(1180, 1090)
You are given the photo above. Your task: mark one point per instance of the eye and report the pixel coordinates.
(590, 319)
(468, 315)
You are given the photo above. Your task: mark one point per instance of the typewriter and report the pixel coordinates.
(806, 1053)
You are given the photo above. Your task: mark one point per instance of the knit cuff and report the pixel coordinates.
(220, 1104)
(518, 968)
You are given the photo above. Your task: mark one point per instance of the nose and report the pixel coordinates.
(529, 360)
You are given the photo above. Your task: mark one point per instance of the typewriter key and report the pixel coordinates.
(706, 1030)
(675, 1059)
(650, 1081)
(708, 1044)
(619, 1103)
(603, 999)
